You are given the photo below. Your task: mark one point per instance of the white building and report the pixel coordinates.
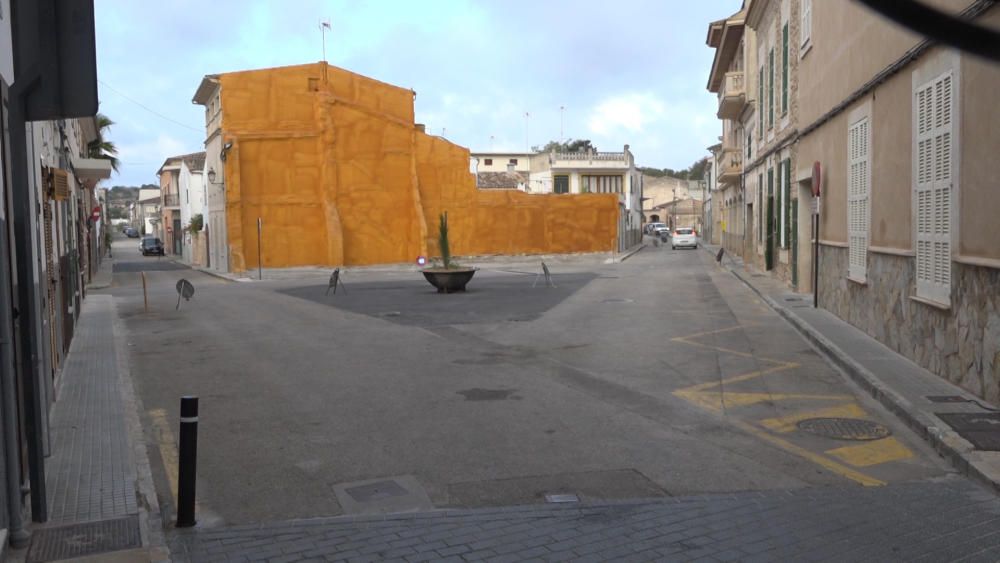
(208, 95)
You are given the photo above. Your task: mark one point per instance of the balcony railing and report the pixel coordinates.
(612, 156)
(732, 96)
(171, 200)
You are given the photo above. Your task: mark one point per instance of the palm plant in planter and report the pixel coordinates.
(450, 277)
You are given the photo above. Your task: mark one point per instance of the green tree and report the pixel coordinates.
(101, 147)
(571, 145)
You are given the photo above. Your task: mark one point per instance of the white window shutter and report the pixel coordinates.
(933, 190)
(806, 24)
(858, 207)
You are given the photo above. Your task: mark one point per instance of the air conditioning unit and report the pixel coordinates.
(60, 184)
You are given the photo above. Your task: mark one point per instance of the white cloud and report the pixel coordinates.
(629, 112)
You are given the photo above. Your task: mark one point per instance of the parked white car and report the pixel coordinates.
(684, 237)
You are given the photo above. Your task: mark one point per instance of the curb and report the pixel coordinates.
(626, 255)
(946, 442)
(213, 274)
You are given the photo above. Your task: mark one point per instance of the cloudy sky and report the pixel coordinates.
(626, 71)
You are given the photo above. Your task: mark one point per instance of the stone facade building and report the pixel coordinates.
(907, 139)
(903, 134)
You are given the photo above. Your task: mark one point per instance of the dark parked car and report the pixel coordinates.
(151, 245)
(131, 232)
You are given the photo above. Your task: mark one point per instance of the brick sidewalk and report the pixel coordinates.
(938, 520)
(91, 474)
(98, 469)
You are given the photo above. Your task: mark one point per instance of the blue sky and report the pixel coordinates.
(629, 71)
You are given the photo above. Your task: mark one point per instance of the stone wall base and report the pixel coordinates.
(960, 344)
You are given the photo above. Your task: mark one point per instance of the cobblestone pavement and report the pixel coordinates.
(947, 519)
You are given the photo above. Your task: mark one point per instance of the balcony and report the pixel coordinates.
(171, 200)
(732, 96)
(730, 166)
(590, 160)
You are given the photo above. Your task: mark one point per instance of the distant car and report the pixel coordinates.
(657, 229)
(151, 245)
(684, 237)
(131, 232)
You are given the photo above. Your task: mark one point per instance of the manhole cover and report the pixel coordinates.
(80, 540)
(844, 428)
(376, 491)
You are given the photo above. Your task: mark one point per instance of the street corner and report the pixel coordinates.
(780, 403)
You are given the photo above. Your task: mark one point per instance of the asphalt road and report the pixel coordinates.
(660, 376)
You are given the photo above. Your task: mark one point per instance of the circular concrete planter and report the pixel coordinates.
(449, 281)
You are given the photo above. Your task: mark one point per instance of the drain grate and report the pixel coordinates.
(80, 540)
(844, 428)
(617, 300)
(946, 399)
(982, 430)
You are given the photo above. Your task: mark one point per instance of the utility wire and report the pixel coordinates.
(149, 109)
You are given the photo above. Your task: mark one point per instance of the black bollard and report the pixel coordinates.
(187, 462)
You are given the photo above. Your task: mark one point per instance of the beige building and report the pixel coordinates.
(904, 134)
(907, 138)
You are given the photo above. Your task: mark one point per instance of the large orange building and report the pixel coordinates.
(337, 172)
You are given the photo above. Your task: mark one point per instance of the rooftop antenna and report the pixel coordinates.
(323, 26)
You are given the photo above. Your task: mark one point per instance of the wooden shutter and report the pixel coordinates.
(932, 192)
(787, 204)
(60, 184)
(858, 187)
(760, 103)
(784, 69)
(770, 88)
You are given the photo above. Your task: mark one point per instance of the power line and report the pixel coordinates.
(149, 109)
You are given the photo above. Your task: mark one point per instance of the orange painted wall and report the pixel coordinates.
(333, 165)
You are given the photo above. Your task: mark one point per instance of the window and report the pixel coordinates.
(601, 184)
(513, 161)
(858, 186)
(784, 69)
(560, 184)
(770, 88)
(933, 129)
(806, 25)
(488, 161)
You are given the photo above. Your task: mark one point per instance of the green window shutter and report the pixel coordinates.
(770, 88)
(788, 201)
(760, 207)
(760, 103)
(784, 69)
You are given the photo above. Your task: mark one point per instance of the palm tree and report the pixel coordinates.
(100, 147)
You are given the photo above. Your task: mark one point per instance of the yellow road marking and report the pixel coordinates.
(738, 378)
(167, 445)
(872, 453)
(826, 463)
(716, 400)
(788, 423)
